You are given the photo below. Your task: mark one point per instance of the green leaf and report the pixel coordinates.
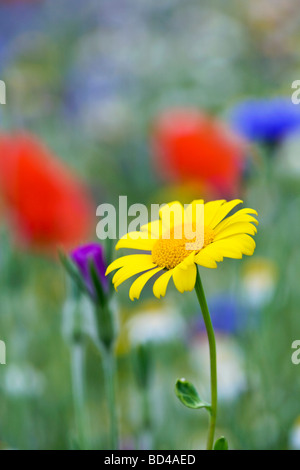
(188, 395)
(97, 283)
(221, 444)
(72, 271)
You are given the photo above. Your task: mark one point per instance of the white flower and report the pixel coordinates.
(157, 323)
(23, 380)
(294, 437)
(231, 375)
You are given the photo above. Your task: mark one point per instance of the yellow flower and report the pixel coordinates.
(170, 256)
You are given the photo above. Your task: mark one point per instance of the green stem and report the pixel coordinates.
(146, 434)
(146, 409)
(77, 368)
(213, 360)
(109, 368)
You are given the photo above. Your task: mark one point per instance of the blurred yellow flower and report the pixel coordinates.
(169, 255)
(258, 281)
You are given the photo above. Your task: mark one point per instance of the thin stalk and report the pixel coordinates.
(109, 368)
(77, 369)
(213, 360)
(146, 434)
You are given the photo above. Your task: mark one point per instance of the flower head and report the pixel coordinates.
(192, 147)
(46, 204)
(83, 256)
(171, 252)
(266, 120)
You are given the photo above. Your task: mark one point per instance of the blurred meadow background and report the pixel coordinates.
(158, 101)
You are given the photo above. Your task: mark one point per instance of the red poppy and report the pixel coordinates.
(44, 201)
(192, 147)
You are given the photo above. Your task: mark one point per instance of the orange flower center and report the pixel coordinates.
(169, 251)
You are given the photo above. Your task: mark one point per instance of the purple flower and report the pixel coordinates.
(265, 120)
(82, 257)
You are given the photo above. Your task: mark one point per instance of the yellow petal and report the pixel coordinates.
(186, 262)
(221, 250)
(210, 210)
(190, 211)
(203, 259)
(231, 247)
(127, 260)
(240, 216)
(155, 228)
(161, 284)
(184, 279)
(235, 229)
(223, 211)
(139, 283)
(126, 272)
(136, 241)
(172, 214)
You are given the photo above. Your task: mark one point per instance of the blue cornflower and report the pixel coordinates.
(265, 120)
